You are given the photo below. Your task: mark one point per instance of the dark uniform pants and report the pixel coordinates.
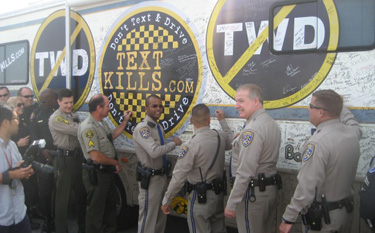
(207, 217)
(258, 216)
(101, 203)
(69, 178)
(151, 218)
(341, 221)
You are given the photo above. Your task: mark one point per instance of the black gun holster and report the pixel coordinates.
(92, 173)
(144, 176)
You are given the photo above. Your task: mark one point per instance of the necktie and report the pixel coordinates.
(165, 165)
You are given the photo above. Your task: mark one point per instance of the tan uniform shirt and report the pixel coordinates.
(199, 152)
(64, 130)
(93, 135)
(255, 150)
(147, 144)
(329, 162)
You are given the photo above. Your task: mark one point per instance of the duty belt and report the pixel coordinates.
(347, 202)
(262, 182)
(75, 152)
(156, 172)
(191, 187)
(217, 185)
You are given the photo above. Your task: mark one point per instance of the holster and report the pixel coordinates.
(143, 175)
(92, 173)
(313, 217)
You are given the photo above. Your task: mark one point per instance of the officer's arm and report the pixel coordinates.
(100, 158)
(310, 176)
(248, 164)
(228, 134)
(347, 118)
(183, 166)
(118, 131)
(154, 150)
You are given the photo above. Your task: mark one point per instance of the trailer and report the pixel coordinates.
(199, 51)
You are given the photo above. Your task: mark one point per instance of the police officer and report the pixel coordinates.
(39, 130)
(254, 157)
(201, 163)
(329, 165)
(63, 124)
(150, 147)
(96, 138)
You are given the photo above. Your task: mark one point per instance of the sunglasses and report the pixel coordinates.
(20, 105)
(315, 107)
(155, 106)
(4, 95)
(28, 96)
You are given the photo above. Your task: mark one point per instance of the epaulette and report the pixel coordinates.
(151, 124)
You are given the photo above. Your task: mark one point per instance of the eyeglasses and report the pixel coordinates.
(155, 106)
(20, 105)
(28, 96)
(312, 106)
(4, 95)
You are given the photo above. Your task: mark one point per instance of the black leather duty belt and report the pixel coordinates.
(347, 202)
(75, 152)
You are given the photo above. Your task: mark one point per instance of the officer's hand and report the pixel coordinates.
(166, 209)
(229, 213)
(118, 167)
(285, 228)
(177, 140)
(46, 154)
(220, 114)
(127, 115)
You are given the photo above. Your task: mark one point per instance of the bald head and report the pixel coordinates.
(48, 99)
(96, 100)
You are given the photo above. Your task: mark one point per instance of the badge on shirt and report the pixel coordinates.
(247, 138)
(308, 152)
(89, 133)
(62, 120)
(184, 150)
(145, 132)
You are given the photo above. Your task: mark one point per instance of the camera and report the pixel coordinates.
(29, 158)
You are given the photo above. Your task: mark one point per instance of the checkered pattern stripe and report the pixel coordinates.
(147, 38)
(136, 102)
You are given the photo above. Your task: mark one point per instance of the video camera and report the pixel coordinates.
(29, 158)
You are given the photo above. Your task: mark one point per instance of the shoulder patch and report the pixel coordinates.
(62, 120)
(247, 138)
(184, 150)
(308, 152)
(89, 133)
(145, 132)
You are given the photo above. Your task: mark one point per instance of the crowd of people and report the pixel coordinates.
(324, 202)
